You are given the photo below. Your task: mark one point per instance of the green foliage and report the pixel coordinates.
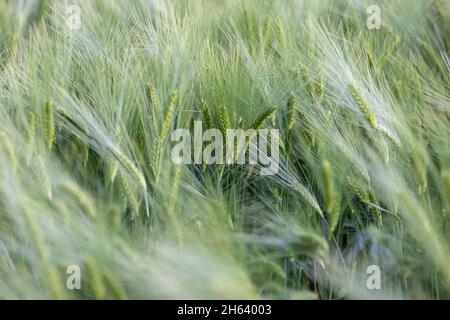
(86, 176)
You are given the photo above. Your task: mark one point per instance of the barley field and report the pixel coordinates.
(92, 205)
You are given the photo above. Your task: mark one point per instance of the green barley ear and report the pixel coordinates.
(207, 116)
(330, 197)
(439, 7)
(292, 112)
(266, 26)
(361, 193)
(83, 200)
(168, 115)
(375, 209)
(49, 124)
(363, 106)
(223, 119)
(8, 149)
(152, 97)
(129, 195)
(319, 87)
(83, 148)
(280, 34)
(129, 165)
(95, 278)
(446, 186)
(263, 117)
(420, 170)
(250, 25)
(112, 172)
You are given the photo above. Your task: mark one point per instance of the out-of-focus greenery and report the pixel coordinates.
(86, 177)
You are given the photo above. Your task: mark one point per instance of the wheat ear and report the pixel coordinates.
(363, 106)
(330, 197)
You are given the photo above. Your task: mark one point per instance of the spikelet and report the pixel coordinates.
(439, 7)
(446, 186)
(168, 115)
(308, 196)
(223, 119)
(95, 278)
(330, 197)
(263, 117)
(129, 195)
(292, 112)
(129, 165)
(366, 197)
(294, 72)
(250, 25)
(31, 135)
(362, 194)
(311, 243)
(115, 286)
(420, 170)
(84, 150)
(84, 201)
(152, 97)
(207, 116)
(319, 87)
(280, 34)
(375, 208)
(7, 145)
(387, 134)
(266, 26)
(49, 124)
(364, 107)
(112, 172)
